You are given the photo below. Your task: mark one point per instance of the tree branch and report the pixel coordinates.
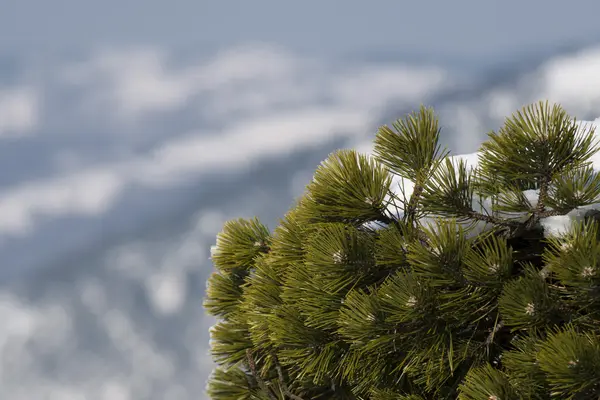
(541, 204)
(492, 220)
(285, 388)
(259, 380)
(496, 329)
(409, 213)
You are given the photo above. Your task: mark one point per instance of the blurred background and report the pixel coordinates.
(131, 130)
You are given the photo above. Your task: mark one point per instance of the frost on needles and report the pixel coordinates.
(455, 288)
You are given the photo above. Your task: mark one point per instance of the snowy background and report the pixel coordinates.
(131, 130)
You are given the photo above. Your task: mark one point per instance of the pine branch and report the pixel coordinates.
(541, 204)
(410, 211)
(516, 228)
(389, 221)
(284, 386)
(493, 333)
(256, 376)
(492, 220)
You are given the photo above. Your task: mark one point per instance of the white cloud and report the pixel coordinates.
(502, 103)
(102, 306)
(140, 81)
(19, 111)
(569, 80)
(131, 82)
(91, 192)
(574, 81)
(88, 193)
(135, 83)
(249, 141)
(167, 292)
(369, 87)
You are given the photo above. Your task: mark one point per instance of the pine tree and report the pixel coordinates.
(452, 291)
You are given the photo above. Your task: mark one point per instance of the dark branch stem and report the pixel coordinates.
(493, 333)
(541, 204)
(492, 220)
(388, 220)
(259, 380)
(285, 388)
(551, 213)
(411, 208)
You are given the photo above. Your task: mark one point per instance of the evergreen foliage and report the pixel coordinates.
(355, 296)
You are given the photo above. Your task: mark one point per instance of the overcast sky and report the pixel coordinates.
(460, 27)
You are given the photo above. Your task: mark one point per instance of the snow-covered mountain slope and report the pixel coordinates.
(118, 168)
